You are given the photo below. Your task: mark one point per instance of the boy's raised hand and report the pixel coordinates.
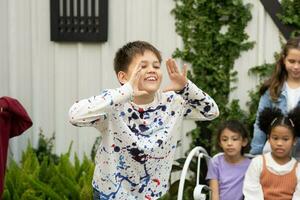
(134, 81)
(178, 79)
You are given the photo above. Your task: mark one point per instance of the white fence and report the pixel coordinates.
(47, 77)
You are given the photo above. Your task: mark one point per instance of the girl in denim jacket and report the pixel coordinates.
(282, 91)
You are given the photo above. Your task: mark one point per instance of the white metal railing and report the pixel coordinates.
(197, 194)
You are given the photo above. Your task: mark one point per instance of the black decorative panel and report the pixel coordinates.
(79, 20)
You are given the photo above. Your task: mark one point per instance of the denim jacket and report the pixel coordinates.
(259, 137)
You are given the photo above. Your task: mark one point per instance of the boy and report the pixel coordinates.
(139, 124)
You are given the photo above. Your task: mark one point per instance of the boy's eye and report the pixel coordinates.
(144, 66)
(156, 65)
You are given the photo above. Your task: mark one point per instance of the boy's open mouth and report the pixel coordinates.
(151, 78)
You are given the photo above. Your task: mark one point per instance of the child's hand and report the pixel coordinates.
(134, 81)
(178, 80)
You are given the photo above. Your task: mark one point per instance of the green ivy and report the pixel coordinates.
(212, 51)
(291, 14)
(262, 72)
(213, 34)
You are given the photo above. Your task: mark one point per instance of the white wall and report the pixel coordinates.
(47, 77)
(266, 36)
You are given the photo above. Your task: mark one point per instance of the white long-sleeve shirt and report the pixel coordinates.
(136, 153)
(252, 188)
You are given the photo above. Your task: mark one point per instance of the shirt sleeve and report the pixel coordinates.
(259, 137)
(20, 120)
(252, 188)
(212, 171)
(94, 110)
(296, 195)
(198, 104)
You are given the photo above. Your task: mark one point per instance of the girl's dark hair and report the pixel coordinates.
(236, 127)
(272, 117)
(125, 54)
(279, 75)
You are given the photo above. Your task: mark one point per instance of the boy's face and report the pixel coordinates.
(150, 75)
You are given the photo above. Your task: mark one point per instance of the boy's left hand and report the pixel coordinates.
(178, 79)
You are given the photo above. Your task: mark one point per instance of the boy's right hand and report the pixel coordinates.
(134, 81)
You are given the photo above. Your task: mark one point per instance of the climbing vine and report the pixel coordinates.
(213, 34)
(291, 14)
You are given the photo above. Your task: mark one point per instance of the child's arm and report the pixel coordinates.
(252, 188)
(198, 104)
(214, 186)
(213, 176)
(259, 137)
(296, 195)
(91, 111)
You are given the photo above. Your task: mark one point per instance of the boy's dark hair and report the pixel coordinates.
(236, 127)
(269, 118)
(126, 53)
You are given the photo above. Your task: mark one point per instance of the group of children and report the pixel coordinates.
(274, 173)
(139, 124)
(271, 176)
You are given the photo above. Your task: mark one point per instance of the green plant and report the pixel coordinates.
(213, 34)
(212, 52)
(43, 175)
(291, 14)
(262, 72)
(45, 147)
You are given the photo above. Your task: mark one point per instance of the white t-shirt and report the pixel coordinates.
(136, 153)
(293, 97)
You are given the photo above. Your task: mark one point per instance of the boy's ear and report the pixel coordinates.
(122, 77)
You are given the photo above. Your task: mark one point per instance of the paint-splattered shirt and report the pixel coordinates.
(135, 156)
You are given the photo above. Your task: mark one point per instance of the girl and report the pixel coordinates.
(282, 90)
(226, 172)
(275, 175)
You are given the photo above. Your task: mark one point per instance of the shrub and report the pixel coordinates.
(43, 175)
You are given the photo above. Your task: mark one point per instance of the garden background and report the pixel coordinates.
(221, 40)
